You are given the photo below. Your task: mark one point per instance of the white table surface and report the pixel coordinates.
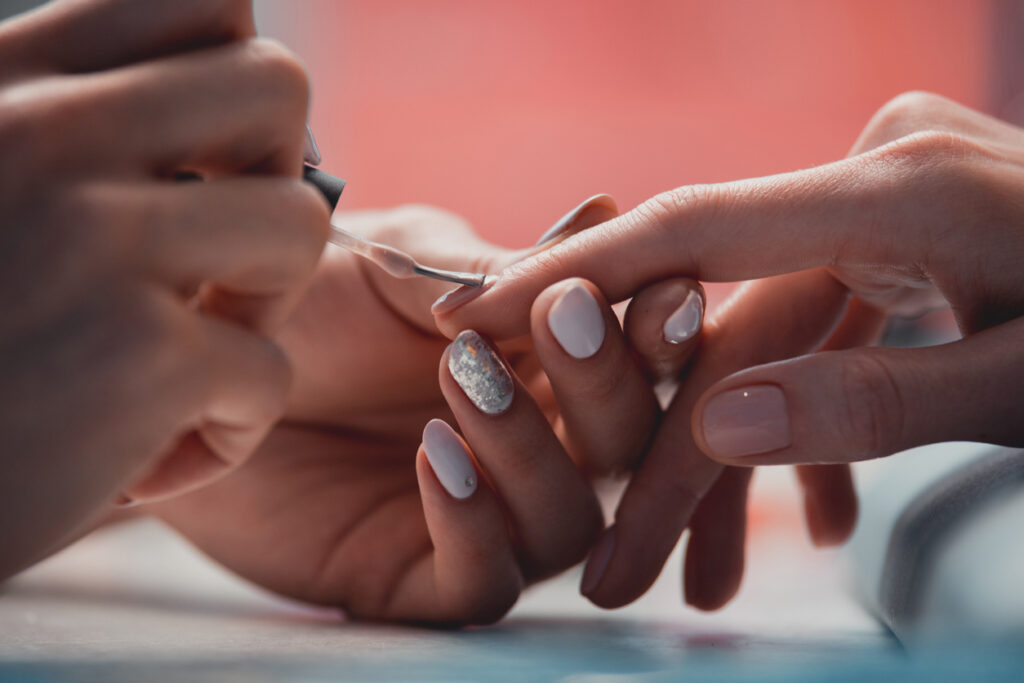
(135, 602)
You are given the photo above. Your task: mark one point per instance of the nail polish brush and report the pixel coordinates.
(394, 262)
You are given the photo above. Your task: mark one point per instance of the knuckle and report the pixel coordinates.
(950, 173)
(871, 406)
(937, 166)
(665, 216)
(281, 68)
(666, 206)
(913, 112)
(931, 150)
(906, 110)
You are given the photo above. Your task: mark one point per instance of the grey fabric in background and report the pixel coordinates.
(8, 8)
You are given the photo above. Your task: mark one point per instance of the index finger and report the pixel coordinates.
(858, 210)
(75, 37)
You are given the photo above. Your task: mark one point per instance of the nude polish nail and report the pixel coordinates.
(597, 564)
(575, 320)
(454, 298)
(685, 321)
(449, 459)
(478, 369)
(747, 421)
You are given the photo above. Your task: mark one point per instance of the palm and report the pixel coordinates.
(328, 510)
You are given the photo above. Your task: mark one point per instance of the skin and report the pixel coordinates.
(924, 212)
(340, 506)
(136, 355)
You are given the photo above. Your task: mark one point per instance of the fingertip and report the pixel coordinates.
(710, 579)
(830, 503)
(663, 324)
(709, 596)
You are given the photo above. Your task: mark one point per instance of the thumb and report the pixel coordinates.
(844, 406)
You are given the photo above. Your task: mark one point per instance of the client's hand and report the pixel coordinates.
(338, 508)
(926, 211)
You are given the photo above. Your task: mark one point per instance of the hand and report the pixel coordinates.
(134, 350)
(338, 507)
(922, 213)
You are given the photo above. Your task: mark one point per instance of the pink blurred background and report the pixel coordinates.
(510, 113)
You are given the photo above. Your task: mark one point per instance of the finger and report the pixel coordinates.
(663, 323)
(714, 560)
(830, 502)
(608, 409)
(862, 325)
(470, 574)
(829, 498)
(77, 36)
(239, 107)
(773, 318)
(433, 237)
(751, 229)
(253, 241)
(243, 382)
(444, 240)
(843, 406)
(552, 510)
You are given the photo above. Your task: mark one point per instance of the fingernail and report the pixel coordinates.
(685, 321)
(598, 562)
(576, 322)
(449, 460)
(310, 152)
(747, 421)
(565, 223)
(451, 300)
(480, 373)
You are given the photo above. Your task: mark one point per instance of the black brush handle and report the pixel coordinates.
(330, 186)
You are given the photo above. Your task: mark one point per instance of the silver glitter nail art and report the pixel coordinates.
(480, 373)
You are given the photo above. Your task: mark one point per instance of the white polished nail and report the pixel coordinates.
(576, 322)
(685, 322)
(449, 460)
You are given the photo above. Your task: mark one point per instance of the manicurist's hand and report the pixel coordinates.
(926, 211)
(352, 503)
(136, 308)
